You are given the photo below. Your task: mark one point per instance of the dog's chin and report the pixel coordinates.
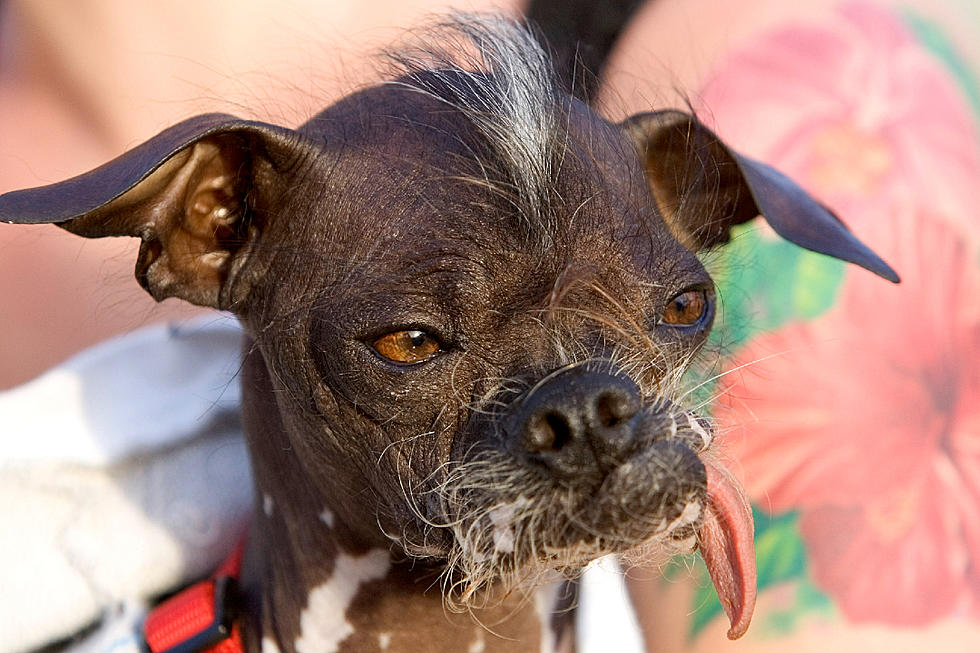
(509, 524)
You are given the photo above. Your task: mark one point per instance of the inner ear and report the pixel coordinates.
(698, 186)
(193, 194)
(703, 188)
(192, 217)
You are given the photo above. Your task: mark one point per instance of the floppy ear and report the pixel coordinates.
(703, 188)
(193, 194)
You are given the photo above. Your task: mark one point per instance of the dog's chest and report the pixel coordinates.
(368, 603)
(332, 610)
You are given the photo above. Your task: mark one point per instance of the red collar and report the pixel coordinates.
(201, 618)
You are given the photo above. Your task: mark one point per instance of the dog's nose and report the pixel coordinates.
(578, 424)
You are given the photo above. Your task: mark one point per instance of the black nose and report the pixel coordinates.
(578, 424)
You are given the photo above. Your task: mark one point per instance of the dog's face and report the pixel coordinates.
(507, 377)
(472, 300)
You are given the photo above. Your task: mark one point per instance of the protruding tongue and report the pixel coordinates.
(727, 547)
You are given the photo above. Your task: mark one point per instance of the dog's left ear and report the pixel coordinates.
(194, 194)
(703, 188)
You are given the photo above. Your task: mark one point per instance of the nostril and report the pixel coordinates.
(614, 408)
(548, 432)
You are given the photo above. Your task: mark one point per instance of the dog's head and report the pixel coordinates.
(472, 301)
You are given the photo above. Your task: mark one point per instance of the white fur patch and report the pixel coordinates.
(327, 517)
(268, 646)
(268, 505)
(384, 641)
(686, 545)
(691, 512)
(545, 600)
(689, 515)
(702, 432)
(323, 623)
(479, 644)
(503, 530)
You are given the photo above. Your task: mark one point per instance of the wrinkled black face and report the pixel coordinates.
(500, 388)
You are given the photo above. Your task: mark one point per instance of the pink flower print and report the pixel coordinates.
(854, 108)
(867, 421)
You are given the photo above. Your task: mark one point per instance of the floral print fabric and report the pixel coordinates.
(851, 407)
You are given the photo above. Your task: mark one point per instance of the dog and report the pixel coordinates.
(469, 301)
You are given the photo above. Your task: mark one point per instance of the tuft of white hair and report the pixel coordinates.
(495, 73)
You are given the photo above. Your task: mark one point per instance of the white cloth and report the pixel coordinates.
(143, 391)
(123, 474)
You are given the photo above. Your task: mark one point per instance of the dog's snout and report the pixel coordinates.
(578, 424)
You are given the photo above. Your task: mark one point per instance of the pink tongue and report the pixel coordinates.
(727, 548)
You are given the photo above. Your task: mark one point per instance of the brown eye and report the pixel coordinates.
(686, 309)
(408, 347)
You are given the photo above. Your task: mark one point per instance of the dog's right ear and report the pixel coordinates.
(193, 194)
(703, 188)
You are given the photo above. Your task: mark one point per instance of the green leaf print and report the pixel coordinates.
(764, 282)
(934, 39)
